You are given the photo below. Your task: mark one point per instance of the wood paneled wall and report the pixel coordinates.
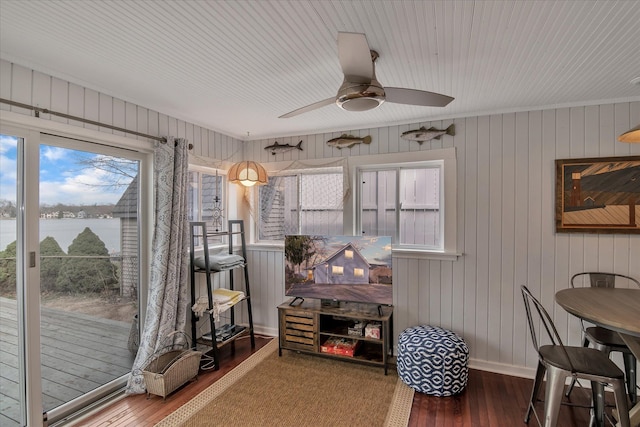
(506, 227)
(505, 199)
(31, 87)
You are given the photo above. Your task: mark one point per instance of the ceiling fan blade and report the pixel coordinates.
(310, 107)
(355, 57)
(416, 97)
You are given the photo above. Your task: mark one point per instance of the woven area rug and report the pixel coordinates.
(298, 390)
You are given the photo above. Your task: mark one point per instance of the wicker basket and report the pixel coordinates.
(168, 371)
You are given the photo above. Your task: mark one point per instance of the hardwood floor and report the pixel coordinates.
(489, 400)
(139, 411)
(492, 400)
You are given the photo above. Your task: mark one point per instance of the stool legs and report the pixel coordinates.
(537, 382)
(621, 403)
(553, 396)
(630, 376)
(597, 397)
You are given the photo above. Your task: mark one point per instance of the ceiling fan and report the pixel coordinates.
(360, 90)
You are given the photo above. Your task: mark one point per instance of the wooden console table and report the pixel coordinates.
(307, 326)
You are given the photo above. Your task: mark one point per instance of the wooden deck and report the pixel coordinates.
(79, 353)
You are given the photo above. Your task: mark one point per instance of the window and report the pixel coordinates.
(403, 203)
(406, 196)
(337, 270)
(358, 272)
(410, 196)
(206, 199)
(301, 203)
(348, 254)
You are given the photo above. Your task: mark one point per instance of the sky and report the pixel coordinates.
(62, 178)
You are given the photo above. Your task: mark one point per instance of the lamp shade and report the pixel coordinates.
(632, 135)
(247, 173)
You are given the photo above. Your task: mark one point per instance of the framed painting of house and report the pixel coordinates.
(598, 195)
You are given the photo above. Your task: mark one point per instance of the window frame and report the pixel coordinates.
(297, 173)
(450, 251)
(448, 183)
(397, 169)
(224, 189)
(37, 130)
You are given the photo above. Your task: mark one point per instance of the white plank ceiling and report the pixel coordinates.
(235, 66)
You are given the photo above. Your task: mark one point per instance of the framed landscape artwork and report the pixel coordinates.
(598, 195)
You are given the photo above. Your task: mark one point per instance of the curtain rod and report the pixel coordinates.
(39, 110)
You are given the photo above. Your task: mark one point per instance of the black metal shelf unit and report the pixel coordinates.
(199, 231)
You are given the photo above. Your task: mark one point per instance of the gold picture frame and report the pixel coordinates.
(598, 195)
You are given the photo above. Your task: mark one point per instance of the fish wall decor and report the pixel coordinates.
(348, 141)
(283, 148)
(423, 134)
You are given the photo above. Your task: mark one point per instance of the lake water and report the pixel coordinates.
(65, 230)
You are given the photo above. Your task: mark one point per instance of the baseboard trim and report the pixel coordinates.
(502, 368)
(515, 371)
(262, 330)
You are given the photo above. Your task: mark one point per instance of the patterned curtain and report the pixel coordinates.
(168, 288)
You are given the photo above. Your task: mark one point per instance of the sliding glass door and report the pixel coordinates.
(87, 259)
(12, 381)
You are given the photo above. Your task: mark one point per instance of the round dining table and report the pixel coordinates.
(617, 309)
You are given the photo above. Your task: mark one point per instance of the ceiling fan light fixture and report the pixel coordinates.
(360, 97)
(248, 173)
(360, 90)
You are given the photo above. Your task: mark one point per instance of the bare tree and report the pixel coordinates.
(119, 172)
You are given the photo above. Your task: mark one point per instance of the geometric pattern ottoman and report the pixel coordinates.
(433, 360)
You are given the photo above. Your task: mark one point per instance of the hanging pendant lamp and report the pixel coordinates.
(248, 173)
(631, 136)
